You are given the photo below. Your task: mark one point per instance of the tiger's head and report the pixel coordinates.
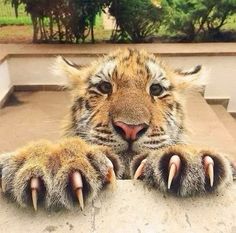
(128, 100)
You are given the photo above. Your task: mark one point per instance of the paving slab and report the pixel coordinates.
(131, 207)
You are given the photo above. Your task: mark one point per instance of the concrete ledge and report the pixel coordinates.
(30, 88)
(172, 49)
(132, 207)
(39, 88)
(233, 114)
(218, 101)
(5, 98)
(34, 60)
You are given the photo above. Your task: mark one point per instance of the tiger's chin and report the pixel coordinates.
(125, 148)
(130, 149)
(139, 148)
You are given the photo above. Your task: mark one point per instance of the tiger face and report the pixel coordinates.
(128, 100)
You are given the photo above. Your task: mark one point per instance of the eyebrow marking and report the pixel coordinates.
(158, 74)
(94, 80)
(104, 72)
(154, 69)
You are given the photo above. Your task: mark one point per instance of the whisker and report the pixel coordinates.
(99, 142)
(103, 138)
(154, 142)
(103, 131)
(156, 135)
(156, 147)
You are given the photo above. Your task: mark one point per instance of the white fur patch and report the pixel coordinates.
(104, 72)
(155, 69)
(158, 74)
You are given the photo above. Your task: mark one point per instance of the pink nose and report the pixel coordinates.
(130, 132)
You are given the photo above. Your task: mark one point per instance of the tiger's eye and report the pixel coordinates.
(105, 87)
(156, 89)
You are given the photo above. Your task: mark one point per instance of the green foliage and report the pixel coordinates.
(84, 15)
(192, 17)
(15, 21)
(73, 21)
(62, 20)
(8, 16)
(220, 13)
(135, 19)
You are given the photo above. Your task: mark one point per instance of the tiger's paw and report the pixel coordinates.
(56, 176)
(184, 170)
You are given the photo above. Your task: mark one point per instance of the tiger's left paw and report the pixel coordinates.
(183, 170)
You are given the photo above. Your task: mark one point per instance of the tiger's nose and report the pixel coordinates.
(130, 132)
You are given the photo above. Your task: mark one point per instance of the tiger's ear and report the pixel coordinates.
(190, 72)
(65, 68)
(194, 78)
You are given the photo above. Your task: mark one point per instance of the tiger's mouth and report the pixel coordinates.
(130, 148)
(127, 138)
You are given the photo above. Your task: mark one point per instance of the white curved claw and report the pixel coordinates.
(209, 168)
(34, 194)
(111, 176)
(77, 185)
(139, 170)
(174, 167)
(79, 194)
(172, 173)
(34, 186)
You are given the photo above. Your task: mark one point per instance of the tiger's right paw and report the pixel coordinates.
(57, 175)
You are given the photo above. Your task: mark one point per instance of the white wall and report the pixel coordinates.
(221, 71)
(33, 71)
(38, 70)
(5, 81)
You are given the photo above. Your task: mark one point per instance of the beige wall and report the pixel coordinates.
(221, 75)
(33, 71)
(221, 72)
(5, 81)
(38, 70)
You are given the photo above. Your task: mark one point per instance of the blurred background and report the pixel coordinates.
(117, 21)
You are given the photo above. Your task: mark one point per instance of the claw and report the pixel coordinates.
(139, 170)
(174, 166)
(210, 172)
(77, 185)
(79, 194)
(209, 168)
(34, 185)
(34, 194)
(172, 173)
(111, 176)
(3, 186)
